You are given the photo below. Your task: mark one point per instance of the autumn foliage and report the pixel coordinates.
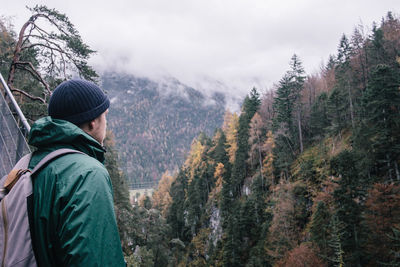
(382, 216)
(302, 255)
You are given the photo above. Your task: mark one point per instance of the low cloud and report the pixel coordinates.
(239, 44)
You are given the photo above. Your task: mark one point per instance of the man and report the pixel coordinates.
(73, 214)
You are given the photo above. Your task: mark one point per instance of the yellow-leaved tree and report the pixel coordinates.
(161, 196)
(268, 168)
(230, 128)
(194, 160)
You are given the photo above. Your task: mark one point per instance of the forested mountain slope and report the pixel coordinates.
(306, 175)
(154, 123)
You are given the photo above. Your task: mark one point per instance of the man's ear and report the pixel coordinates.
(91, 125)
(87, 126)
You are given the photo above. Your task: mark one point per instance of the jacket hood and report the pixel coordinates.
(48, 133)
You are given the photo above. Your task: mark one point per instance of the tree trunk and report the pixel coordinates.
(300, 133)
(389, 169)
(356, 241)
(363, 68)
(17, 52)
(260, 160)
(396, 168)
(351, 106)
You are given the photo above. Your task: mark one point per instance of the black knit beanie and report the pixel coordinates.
(77, 101)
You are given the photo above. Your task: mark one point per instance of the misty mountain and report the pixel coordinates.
(154, 122)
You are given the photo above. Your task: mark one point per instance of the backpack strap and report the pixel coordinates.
(53, 155)
(23, 162)
(22, 165)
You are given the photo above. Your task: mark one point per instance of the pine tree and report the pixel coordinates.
(359, 58)
(239, 168)
(232, 186)
(319, 117)
(284, 155)
(344, 51)
(156, 239)
(380, 133)
(287, 124)
(343, 76)
(176, 213)
(319, 227)
(257, 199)
(127, 220)
(335, 242)
(298, 75)
(120, 187)
(377, 51)
(284, 105)
(348, 196)
(231, 239)
(219, 153)
(227, 199)
(337, 110)
(194, 203)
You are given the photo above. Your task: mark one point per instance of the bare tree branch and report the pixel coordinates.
(28, 95)
(26, 37)
(44, 45)
(22, 67)
(41, 31)
(39, 77)
(17, 53)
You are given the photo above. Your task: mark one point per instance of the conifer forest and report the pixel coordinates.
(306, 174)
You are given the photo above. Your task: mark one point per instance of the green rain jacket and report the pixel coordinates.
(73, 214)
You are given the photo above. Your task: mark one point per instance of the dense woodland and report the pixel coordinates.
(306, 175)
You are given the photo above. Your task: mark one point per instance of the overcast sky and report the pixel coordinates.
(238, 43)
